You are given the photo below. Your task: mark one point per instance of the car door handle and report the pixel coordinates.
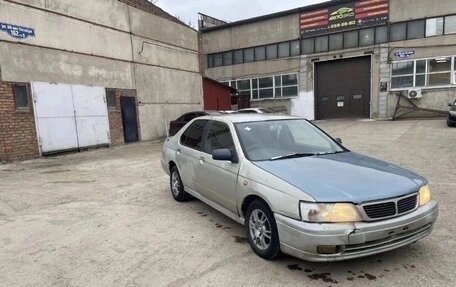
(178, 150)
(202, 159)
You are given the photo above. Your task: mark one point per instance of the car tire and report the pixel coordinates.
(260, 223)
(449, 123)
(176, 185)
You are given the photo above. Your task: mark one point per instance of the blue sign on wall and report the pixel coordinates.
(404, 54)
(17, 31)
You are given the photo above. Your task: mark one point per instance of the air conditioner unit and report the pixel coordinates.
(414, 94)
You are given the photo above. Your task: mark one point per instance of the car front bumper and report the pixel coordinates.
(354, 240)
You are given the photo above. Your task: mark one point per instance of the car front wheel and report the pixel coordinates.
(262, 230)
(177, 188)
(449, 123)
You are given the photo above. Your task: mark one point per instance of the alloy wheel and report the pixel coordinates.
(260, 229)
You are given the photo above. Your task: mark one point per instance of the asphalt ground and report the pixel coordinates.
(107, 218)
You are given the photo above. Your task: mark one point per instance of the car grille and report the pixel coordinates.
(406, 204)
(391, 208)
(380, 210)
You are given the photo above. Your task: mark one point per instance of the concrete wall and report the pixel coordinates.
(403, 10)
(277, 66)
(254, 34)
(106, 43)
(425, 48)
(114, 12)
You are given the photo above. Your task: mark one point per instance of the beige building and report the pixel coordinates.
(340, 59)
(78, 73)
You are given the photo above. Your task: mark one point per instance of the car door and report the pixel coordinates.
(218, 179)
(189, 153)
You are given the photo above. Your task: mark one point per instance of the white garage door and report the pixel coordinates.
(70, 116)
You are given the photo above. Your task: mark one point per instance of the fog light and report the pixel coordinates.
(328, 249)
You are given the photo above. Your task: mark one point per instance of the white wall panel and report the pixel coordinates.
(91, 115)
(93, 131)
(54, 116)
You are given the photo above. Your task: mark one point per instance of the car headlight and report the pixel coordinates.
(329, 213)
(453, 113)
(425, 195)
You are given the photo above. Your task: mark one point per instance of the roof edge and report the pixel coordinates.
(277, 15)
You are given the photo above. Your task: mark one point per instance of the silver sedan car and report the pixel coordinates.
(296, 189)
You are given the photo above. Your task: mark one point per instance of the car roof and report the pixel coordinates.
(245, 118)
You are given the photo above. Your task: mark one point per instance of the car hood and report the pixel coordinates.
(344, 177)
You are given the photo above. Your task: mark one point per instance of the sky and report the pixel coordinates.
(228, 10)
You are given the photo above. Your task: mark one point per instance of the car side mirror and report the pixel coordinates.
(224, 154)
(339, 140)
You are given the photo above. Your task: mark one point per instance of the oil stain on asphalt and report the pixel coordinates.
(326, 276)
(239, 239)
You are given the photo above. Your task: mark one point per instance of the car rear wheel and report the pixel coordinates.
(177, 188)
(449, 123)
(262, 230)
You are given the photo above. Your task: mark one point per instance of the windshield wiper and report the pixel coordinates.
(292, 155)
(332, 152)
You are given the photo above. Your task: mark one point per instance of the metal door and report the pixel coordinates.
(91, 116)
(343, 88)
(70, 117)
(54, 115)
(129, 119)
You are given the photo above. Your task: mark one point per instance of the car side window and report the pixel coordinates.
(193, 136)
(218, 136)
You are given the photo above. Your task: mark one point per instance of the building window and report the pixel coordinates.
(210, 61)
(244, 87)
(307, 46)
(450, 24)
(321, 44)
(218, 60)
(435, 72)
(398, 32)
(351, 39)
(271, 52)
(381, 34)
(111, 99)
(289, 85)
(228, 58)
(21, 96)
(295, 48)
(284, 50)
(268, 87)
(454, 70)
(402, 75)
(336, 41)
(249, 55)
(416, 29)
(238, 57)
(260, 53)
(420, 73)
(366, 37)
(265, 87)
(439, 72)
(434, 27)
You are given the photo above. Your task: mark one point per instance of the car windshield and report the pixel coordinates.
(282, 139)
